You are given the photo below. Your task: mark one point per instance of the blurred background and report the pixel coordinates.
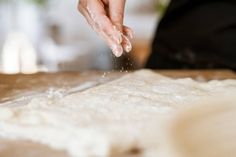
(51, 36)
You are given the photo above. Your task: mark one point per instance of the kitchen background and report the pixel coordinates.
(51, 36)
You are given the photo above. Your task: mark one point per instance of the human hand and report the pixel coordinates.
(106, 18)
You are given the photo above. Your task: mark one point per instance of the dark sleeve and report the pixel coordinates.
(196, 34)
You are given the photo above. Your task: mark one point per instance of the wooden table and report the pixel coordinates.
(15, 86)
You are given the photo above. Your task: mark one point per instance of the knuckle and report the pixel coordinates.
(103, 29)
(80, 5)
(79, 8)
(118, 25)
(118, 15)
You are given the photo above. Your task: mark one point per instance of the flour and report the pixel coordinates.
(110, 119)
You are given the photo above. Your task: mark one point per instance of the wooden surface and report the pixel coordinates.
(13, 86)
(16, 86)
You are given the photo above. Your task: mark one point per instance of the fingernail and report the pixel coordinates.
(117, 50)
(127, 44)
(128, 47)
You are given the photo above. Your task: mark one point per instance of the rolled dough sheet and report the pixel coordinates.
(111, 119)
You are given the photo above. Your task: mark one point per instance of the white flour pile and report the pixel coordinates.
(109, 119)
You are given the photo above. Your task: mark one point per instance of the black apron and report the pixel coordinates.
(196, 34)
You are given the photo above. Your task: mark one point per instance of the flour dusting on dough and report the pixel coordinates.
(108, 119)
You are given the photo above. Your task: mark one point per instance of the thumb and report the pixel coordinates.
(116, 13)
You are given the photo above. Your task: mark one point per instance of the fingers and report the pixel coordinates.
(126, 44)
(110, 28)
(116, 13)
(127, 37)
(97, 13)
(96, 16)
